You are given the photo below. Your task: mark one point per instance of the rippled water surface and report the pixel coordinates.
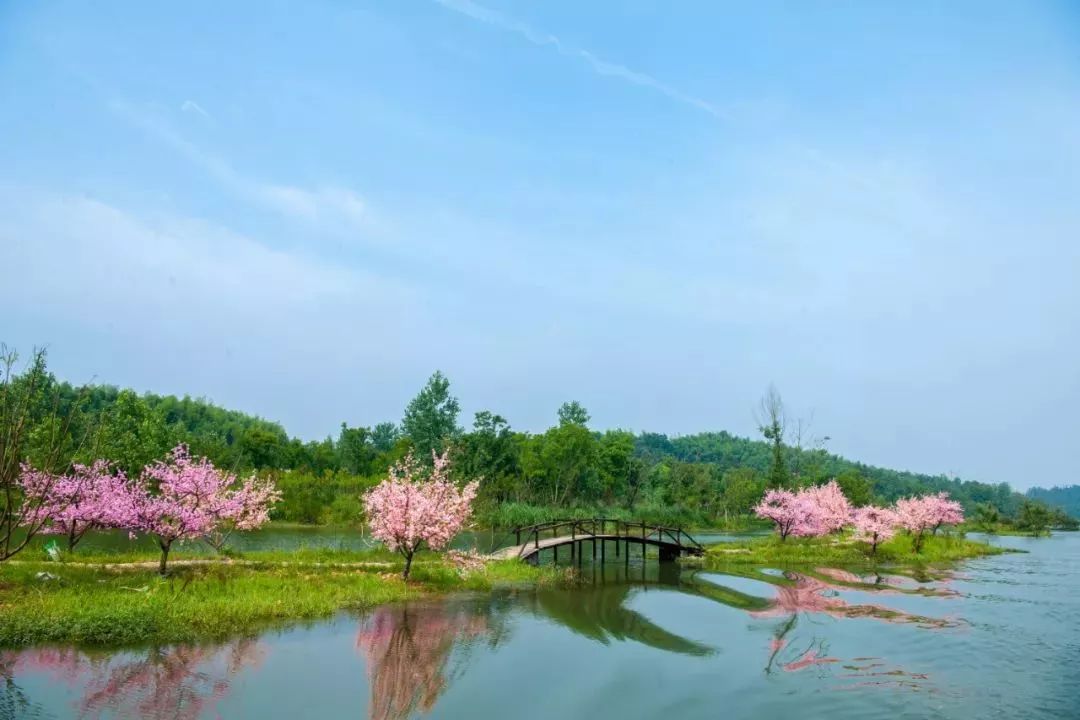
(994, 638)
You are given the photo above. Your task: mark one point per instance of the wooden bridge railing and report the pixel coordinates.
(609, 528)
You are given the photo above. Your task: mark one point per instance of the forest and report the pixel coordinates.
(705, 479)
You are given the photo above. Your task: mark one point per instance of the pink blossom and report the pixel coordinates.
(186, 498)
(929, 512)
(795, 514)
(875, 525)
(833, 511)
(89, 497)
(412, 508)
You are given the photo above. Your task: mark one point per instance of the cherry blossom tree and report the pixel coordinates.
(414, 507)
(185, 498)
(792, 513)
(949, 511)
(929, 512)
(833, 511)
(917, 515)
(84, 499)
(875, 525)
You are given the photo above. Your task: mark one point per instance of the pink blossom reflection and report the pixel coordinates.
(172, 682)
(408, 649)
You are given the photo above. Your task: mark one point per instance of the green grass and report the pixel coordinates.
(90, 604)
(841, 551)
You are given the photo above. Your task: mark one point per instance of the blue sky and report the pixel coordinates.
(302, 209)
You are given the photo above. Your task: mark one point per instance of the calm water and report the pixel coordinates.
(995, 638)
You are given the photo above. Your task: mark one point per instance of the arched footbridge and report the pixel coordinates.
(599, 533)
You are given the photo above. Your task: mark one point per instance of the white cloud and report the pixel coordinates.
(330, 207)
(598, 65)
(192, 106)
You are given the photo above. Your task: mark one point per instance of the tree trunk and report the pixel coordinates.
(71, 539)
(164, 556)
(408, 566)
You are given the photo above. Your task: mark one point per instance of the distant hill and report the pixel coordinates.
(1066, 498)
(729, 451)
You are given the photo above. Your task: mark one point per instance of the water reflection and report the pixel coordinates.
(413, 653)
(171, 682)
(408, 649)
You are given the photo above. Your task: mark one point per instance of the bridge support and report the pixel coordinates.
(668, 554)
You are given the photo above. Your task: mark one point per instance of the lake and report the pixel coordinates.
(993, 638)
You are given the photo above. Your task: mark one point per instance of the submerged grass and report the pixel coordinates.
(841, 551)
(108, 605)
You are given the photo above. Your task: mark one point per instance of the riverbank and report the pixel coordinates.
(90, 602)
(841, 551)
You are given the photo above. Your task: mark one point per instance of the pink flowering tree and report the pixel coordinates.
(186, 498)
(87, 498)
(917, 515)
(414, 507)
(791, 513)
(244, 505)
(833, 511)
(949, 512)
(927, 513)
(875, 525)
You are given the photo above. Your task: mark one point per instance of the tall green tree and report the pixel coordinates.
(573, 413)
(431, 417)
(856, 487)
(356, 451)
(561, 463)
(490, 453)
(743, 488)
(384, 435)
(1034, 517)
(771, 423)
(132, 435)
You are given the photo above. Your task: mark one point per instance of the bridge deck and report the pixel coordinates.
(530, 548)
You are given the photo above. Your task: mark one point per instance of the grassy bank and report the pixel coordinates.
(841, 551)
(90, 602)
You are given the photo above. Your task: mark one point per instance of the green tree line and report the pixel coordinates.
(570, 468)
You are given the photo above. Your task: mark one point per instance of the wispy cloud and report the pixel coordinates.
(325, 204)
(192, 106)
(597, 64)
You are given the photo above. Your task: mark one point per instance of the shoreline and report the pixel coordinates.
(96, 601)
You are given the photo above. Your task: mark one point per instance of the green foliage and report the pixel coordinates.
(1034, 517)
(572, 413)
(704, 479)
(1066, 499)
(431, 417)
(987, 517)
(856, 487)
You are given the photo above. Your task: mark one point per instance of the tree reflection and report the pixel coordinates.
(601, 615)
(801, 593)
(172, 682)
(408, 649)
